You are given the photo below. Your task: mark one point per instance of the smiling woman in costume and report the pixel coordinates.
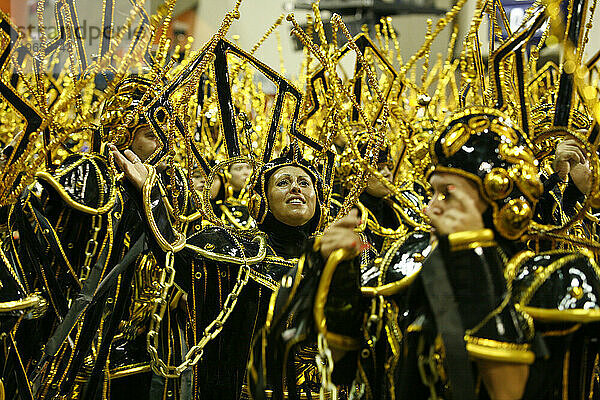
(287, 197)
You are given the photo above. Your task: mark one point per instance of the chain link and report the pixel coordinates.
(91, 248)
(325, 366)
(357, 391)
(194, 355)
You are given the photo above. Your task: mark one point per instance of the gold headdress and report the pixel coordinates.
(543, 106)
(121, 116)
(58, 116)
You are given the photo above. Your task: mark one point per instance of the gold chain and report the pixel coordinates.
(91, 248)
(324, 361)
(194, 355)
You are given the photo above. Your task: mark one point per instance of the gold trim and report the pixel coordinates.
(194, 216)
(471, 239)
(262, 252)
(295, 284)
(264, 280)
(137, 369)
(146, 199)
(563, 332)
(513, 265)
(553, 315)
(72, 203)
(317, 243)
(31, 301)
(475, 245)
(364, 216)
(246, 395)
(394, 338)
(235, 221)
(390, 288)
(276, 260)
(174, 303)
(344, 342)
(489, 349)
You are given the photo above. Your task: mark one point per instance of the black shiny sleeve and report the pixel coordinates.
(494, 329)
(344, 305)
(571, 196)
(549, 200)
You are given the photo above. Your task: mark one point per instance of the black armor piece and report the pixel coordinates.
(560, 290)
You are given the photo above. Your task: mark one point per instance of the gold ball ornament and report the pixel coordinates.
(513, 218)
(497, 184)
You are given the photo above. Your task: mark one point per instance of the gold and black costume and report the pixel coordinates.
(414, 342)
(110, 290)
(216, 262)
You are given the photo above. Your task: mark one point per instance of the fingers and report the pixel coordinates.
(577, 150)
(350, 221)
(124, 160)
(341, 235)
(339, 239)
(131, 156)
(570, 150)
(120, 160)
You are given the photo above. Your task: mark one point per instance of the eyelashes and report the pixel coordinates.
(285, 182)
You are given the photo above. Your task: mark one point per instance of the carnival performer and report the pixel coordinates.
(460, 296)
(214, 263)
(129, 362)
(566, 183)
(232, 206)
(75, 225)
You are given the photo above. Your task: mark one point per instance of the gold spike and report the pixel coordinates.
(441, 24)
(395, 40)
(319, 28)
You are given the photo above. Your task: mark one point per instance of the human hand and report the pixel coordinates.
(567, 155)
(341, 235)
(131, 165)
(581, 175)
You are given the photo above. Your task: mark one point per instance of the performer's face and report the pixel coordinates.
(375, 187)
(239, 174)
(200, 181)
(456, 204)
(144, 142)
(292, 197)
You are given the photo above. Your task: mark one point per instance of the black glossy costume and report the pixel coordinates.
(207, 271)
(411, 321)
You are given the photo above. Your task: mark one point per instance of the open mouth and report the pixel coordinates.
(296, 200)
